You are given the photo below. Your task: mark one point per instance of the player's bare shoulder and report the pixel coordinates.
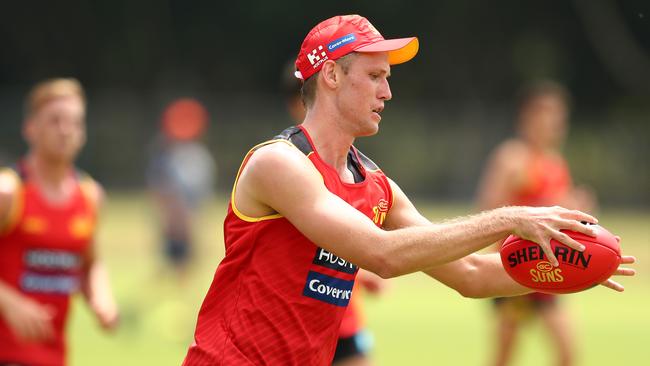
(510, 147)
(270, 173)
(273, 161)
(511, 154)
(274, 155)
(92, 190)
(9, 186)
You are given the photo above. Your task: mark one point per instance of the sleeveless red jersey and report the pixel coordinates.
(548, 180)
(41, 255)
(277, 298)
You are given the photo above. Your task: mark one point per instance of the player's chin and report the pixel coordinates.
(63, 155)
(369, 129)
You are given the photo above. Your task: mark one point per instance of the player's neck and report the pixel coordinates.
(332, 143)
(539, 148)
(50, 174)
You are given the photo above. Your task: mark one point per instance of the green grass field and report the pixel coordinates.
(417, 322)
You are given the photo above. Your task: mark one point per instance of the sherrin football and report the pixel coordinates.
(526, 263)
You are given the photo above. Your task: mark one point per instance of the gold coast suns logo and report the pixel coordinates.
(34, 225)
(81, 227)
(379, 212)
(544, 272)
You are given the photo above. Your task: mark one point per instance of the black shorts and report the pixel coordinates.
(177, 251)
(530, 301)
(357, 345)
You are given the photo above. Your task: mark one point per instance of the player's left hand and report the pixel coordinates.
(621, 271)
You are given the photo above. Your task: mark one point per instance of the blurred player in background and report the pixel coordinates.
(291, 86)
(48, 214)
(180, 176)
(355, 341)
(529, 170)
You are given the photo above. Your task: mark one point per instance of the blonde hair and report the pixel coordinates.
(51, 89)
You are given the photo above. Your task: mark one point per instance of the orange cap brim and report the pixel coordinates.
(399, 50)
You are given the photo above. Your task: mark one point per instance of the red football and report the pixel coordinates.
(526, 263)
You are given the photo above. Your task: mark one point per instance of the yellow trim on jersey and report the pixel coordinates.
(234, 187)
(17, 202)
(89, 190)
(87, 186)
(392, 194)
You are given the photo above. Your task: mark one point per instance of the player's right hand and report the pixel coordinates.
(106, 312)
(30, 320)
(543, 224)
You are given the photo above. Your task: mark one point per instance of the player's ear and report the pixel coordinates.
(329, 74)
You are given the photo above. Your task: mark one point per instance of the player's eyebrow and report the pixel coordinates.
(385, 72)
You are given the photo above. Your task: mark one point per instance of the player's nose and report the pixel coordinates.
(384, 92)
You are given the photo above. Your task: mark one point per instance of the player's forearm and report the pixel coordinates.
(96, 283)
(417, 248)
(100, 298)
(489, 279)
(477, 276)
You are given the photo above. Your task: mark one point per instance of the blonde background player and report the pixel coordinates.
(48, 215)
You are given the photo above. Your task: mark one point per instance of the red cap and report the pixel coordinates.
(335, 37)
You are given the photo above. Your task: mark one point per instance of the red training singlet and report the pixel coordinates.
(42, 252)
(277, 298)
(547, 182)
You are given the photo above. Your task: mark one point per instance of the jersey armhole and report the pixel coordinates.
(88, 188)
(236, 211)
(7, 175)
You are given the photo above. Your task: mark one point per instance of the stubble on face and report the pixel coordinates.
(364, 90)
